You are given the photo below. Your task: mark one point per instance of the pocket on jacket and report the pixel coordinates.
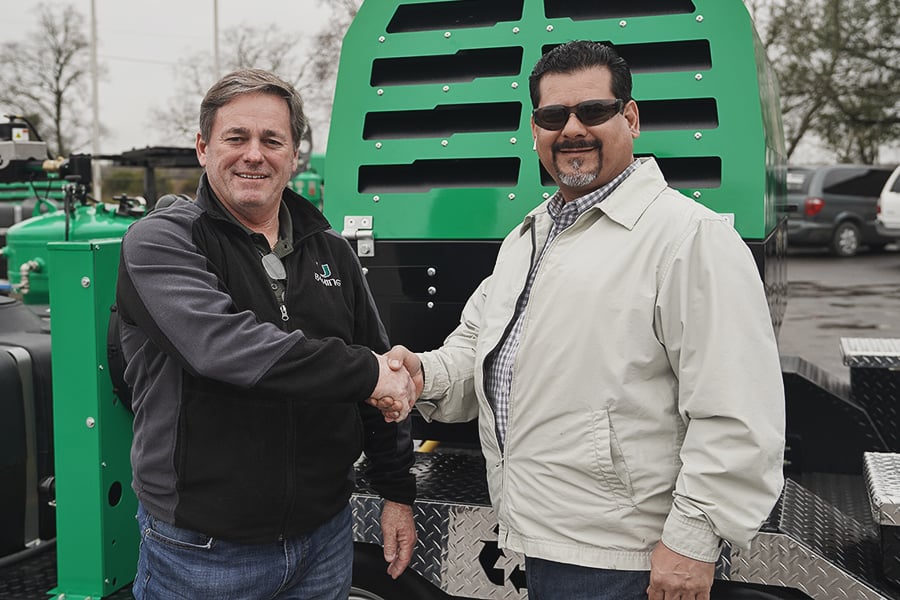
(609, 460)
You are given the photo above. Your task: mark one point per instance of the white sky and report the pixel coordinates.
(140, 43)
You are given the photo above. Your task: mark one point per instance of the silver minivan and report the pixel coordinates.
(887, 220)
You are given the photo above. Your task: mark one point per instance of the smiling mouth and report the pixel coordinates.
(249, 176)
(575, 149)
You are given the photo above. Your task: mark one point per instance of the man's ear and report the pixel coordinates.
(633, 117)
(201, 150)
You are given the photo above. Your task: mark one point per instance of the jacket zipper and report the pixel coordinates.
(283, 304)
(506, 331)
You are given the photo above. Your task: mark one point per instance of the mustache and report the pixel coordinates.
(574, 145)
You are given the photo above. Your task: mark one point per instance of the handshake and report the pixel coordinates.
(400, 383)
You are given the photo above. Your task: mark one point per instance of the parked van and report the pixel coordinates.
(887, 222)
(834, 207)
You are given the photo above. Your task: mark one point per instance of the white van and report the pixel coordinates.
(887, 221)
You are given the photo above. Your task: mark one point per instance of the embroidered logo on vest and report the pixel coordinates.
(325, 277)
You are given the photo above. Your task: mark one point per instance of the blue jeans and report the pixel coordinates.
(549, 580)
(179, 563)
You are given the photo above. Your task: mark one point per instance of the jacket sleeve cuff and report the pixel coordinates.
(402, 491)
(691, 537)
(435, 379)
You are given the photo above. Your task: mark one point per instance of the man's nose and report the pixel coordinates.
(253, 151)
(574, 127)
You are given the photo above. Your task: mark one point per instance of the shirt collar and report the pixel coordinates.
(559, 208)
(285, 243)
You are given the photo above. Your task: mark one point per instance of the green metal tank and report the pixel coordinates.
(26, 243)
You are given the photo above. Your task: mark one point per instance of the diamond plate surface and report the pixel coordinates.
(821, 537)
(877, 390)
(813, 546)
(871, 352)
(882, 471)
(457, 539)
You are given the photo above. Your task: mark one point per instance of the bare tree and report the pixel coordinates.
(837, 62)
(45, 77)
(271, 48)
(267, 48)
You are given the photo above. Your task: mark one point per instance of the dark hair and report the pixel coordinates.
(576, 56)
(251, 81)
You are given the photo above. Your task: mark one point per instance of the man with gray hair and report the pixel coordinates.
(250, 337)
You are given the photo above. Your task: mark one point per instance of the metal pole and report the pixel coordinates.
(216, 65)
(95, 106)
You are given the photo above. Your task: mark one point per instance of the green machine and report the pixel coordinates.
(431, 134)
(32, 189)
(27, 242)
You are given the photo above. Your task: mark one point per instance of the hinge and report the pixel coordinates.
(360, 229)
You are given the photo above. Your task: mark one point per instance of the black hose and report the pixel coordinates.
(27, 553)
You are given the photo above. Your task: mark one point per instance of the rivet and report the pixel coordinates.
(698, 76)
(365, 270)
(513, 140)
(85, 282)
(697, 194)
(100, 367)
(376, 198)
(546, 195)
(431, 271)
(432, 290)
(698, 135)
(514, 85)
(430, 305)
(90, 422)
(446, 88)
(549, 27)
(446, 34)
(512, 196)
(699, 18)
(381, 38)
(444, 143)
(623, 23)
(378, 145)
(515, 30)
(380, 92)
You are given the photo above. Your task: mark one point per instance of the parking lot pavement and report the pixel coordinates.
(830, 298)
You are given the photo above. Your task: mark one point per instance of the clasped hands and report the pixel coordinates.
(400, 383)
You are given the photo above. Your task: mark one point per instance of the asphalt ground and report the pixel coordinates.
(830, 298)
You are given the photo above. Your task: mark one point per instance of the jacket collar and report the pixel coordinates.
(305, 218)
(627, 203)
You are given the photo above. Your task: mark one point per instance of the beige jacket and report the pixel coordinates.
(647, 399)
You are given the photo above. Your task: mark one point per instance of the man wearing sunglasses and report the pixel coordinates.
(621, 362)
(247, 327)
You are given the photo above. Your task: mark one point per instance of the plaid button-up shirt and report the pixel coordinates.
(499, 369)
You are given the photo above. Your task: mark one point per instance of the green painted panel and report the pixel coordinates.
(466, 66)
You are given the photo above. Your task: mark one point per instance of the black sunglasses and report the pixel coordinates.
(589, 112)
